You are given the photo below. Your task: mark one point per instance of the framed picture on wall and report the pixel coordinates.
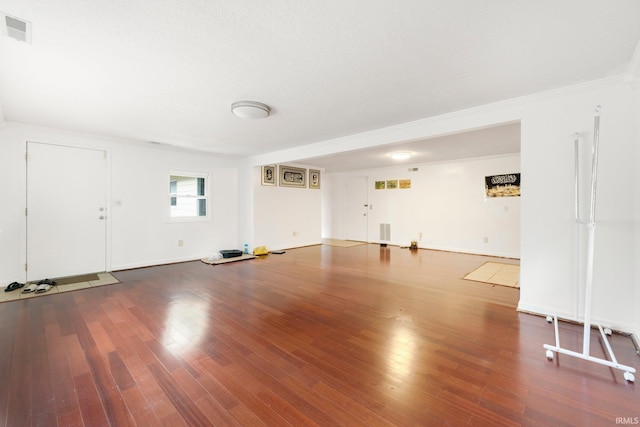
(392, 184)
(507, 185)
(380, 185)
(405, 183)
(269, 175)
(293, 177)
(314, 178)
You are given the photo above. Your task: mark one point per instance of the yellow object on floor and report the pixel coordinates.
(260, 250)
(496, 273)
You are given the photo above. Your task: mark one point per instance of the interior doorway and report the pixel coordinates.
(66, 211)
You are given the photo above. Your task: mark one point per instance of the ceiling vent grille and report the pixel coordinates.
(17, 28)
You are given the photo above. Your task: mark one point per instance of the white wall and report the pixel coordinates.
(138, 231)
(549, 270)
(285, 217)
(246, 185)
(548, 253)
(445, 203)
(636, 210)
(141, 234)
(12, 204)
(333, 214)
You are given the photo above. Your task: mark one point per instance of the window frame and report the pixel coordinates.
(169, 196)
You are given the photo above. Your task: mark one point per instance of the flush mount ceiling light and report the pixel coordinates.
(250, 109)
(401, 155)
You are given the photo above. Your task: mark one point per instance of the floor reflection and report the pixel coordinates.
(385, 254)
(402, 352)
(186, 322)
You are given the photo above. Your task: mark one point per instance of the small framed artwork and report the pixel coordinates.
(269, 175)
(507, 185)
(405, 183)
(293, 177)
(392, 184)
(314, 178)
(380, 185)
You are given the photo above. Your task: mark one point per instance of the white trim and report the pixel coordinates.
(567, 316)
(151, 263)
(500, 112)
(108, 204)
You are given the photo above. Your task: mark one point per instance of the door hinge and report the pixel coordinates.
(25, 266)
(25, 211)
(26, 156)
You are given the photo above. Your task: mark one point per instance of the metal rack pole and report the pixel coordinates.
(591, 235)
(591, 229)
(576, 189)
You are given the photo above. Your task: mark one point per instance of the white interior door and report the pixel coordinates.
(66, 211)
(357, 209)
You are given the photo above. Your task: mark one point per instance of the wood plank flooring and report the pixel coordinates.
(318, 336)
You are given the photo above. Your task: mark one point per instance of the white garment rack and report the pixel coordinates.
(591, 229)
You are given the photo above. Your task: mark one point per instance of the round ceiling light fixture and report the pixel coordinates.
(250, 109)
(401, 155)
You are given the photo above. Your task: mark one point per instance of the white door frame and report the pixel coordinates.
(355, 211)
(107, 190)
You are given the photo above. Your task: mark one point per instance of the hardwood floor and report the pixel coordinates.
(318, 336)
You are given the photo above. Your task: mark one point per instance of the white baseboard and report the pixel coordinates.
(150, 263)
(544, 312)
(570, 317)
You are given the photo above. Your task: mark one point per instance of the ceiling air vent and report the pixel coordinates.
(17, 28)
(413, 169)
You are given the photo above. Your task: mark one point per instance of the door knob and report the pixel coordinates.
(101, 217)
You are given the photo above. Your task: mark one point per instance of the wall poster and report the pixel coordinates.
(269, 175)
(314, 178)
(507, 185)
(293, 177)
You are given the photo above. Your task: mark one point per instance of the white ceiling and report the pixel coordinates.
(168, 70)
(490, 141)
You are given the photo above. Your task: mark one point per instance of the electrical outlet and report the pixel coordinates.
(180, 243)
(486, 240)
(420, 235)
